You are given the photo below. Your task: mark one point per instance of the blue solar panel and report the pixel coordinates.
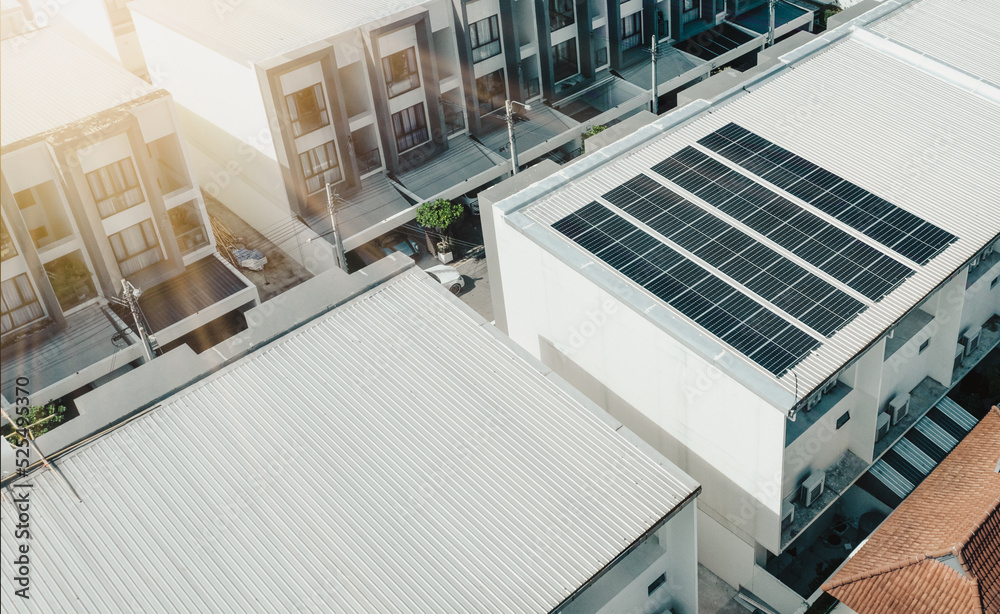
(787, 224)
(758, 267)
(896, 228)
(718, 307)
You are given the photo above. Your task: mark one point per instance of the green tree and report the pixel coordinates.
(41, 420)
(589, 133)
(439, 216)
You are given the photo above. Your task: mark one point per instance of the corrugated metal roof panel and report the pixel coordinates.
(246, 31)
(49, 82)
(901, 131)
(964, 34)
(393, 456)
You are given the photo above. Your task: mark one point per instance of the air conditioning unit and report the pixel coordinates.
(787, 514)
(813, 400)
(970, 339)
(898, 408)
(882, 426)
(812, 488)
(830, 385)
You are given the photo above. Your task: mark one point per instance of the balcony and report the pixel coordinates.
(839, 477)
(909, 327)
(805, 419)
(368, 161)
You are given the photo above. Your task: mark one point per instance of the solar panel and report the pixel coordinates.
(749, 327)
(808, 236)
(769, 274)
(896, 228)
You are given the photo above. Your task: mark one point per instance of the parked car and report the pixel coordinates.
(399, 243)
(447, 276)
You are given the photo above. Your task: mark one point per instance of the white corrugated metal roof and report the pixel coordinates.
(49, 82)
(392, 456)
(246, 31)
(964, 34)
(905, 127)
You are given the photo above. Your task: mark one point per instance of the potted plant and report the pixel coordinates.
(437, 218)
(444, 252)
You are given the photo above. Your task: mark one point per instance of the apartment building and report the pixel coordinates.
(398, 103)
(778, 288)
(96, 188)
(380, 485)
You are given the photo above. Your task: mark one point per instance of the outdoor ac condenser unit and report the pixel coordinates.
(787, 514)
(899, 407)
(882, 426)
(812, 488)
(970, 339)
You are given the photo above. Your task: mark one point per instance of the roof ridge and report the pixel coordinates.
(878, 571)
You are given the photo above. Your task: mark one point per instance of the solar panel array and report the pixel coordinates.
(896, 228)
(786, 285)
(828, 248)
(729, 314)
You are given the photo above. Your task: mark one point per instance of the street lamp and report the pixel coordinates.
(509, 109)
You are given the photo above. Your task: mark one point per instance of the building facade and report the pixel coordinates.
(785, 441)
(96, 188)
(399, 104)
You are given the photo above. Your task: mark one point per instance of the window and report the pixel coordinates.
(410, 126)
(485, 38)
(18, 303)
(44, 214)
(657, 583)
(401, 72)
(994, 282)
(320, 166)
(841, 421)
(923, 346)
(454, 112)
(188, 227)
(136, 247)
(564, 58)
(560, 14)
(491, 91)
(690, 5)
(631, 30)
(307, 110)
(7, 249)
(71, 280)
(115, 187)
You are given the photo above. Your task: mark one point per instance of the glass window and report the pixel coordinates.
(136, 247)
(7, 249)
(410, 126)
(454, 112)
(491, 92)
(560, 14)
(115, 187)
(320, 166)
(631, 31)
(485, 38)
(18, 303)
(71, 280)
(564, 58)
(689, 5)
(188, 227)
(401, 72)
(307, 110)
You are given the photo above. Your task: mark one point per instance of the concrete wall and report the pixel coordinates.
(981, 301)
(656, 386)
(725, 554)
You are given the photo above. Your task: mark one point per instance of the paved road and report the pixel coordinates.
(477, 282)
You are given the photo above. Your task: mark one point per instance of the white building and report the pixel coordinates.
(97, 187)
(395, 454)
(773, 286)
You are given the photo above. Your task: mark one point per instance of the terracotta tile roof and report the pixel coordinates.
(903, 568)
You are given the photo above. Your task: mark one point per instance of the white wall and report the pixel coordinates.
(221, 108)
(818, 447)
(725, 554)
(981, 302)
(712, 427)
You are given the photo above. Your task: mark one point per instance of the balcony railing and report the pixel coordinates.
(192, 239)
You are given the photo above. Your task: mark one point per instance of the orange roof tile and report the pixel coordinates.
(954, 512)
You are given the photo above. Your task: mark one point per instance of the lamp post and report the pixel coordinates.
(509, 109)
